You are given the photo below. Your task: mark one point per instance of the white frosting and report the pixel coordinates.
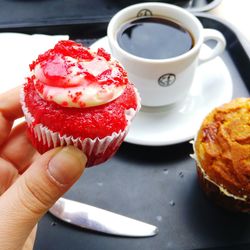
(74, 86)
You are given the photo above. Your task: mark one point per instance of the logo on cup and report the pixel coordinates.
(166, 80)
(144, 12)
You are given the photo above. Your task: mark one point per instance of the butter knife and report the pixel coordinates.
(100, 220)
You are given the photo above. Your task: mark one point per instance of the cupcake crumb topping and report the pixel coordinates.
(74, 76)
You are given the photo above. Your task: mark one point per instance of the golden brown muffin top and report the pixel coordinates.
(222, 147)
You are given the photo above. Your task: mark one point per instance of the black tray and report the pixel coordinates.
(157, 185)
(141, 182)
(20, 13)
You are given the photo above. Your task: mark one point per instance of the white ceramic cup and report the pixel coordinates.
(163, 81)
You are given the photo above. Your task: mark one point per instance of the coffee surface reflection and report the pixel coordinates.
(154, 38)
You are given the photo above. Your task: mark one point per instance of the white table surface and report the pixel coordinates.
(237, 13)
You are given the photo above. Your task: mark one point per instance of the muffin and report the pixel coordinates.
(75, 96)
(222, 153)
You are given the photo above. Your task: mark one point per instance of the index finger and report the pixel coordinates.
(10, 110)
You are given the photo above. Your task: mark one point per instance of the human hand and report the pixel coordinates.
(29, 183)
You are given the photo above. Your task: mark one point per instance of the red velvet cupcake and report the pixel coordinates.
(75, 96)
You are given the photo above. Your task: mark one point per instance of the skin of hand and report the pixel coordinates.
(29, 183)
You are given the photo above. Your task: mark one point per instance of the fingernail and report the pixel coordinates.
(67, 165)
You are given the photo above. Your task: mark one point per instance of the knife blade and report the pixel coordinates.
(100, 220)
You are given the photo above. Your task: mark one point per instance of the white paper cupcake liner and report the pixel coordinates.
(205, 176)
(97, 150)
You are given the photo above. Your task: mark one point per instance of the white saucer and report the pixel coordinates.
(177, 123)
(180, 122)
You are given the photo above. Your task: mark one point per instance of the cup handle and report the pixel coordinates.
(211, 34)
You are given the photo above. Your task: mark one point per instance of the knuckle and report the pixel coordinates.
(8, 173)
(34, 198)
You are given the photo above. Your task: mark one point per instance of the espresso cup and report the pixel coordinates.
(163, 81)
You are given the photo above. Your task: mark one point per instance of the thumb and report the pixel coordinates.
(24, 203)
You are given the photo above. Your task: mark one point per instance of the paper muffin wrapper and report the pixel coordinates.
(97, 150)
(221, 199)
(217, 193)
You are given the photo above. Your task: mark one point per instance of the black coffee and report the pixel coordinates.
(154, 38)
